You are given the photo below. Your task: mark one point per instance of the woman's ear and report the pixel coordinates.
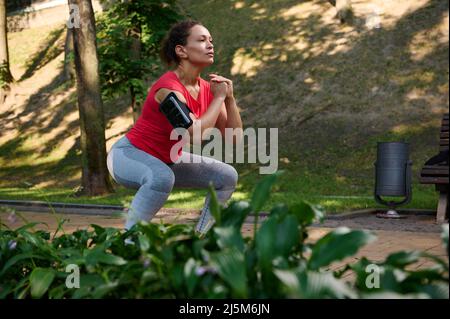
(180, 51)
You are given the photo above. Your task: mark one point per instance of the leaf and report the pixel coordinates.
(175, 277)
(287, 235)
(99, 230)
(102, 290)
(265, 242)
(337, 245)
(403, 258)
(40, 281)
(152, 231)
(57, 292)
(214, 205)
(235, 214)
(5, 290)
(17, 258)
(306, 213)
(21, 288)
(190, 276)
(262, 192)
(110, 259)
(177, 230)
(23, 293)
(144, 243)
(230, 264)
(313, 285)
(32, 238)
(444, 236)
(229, 237)
(28, 225)
(437, 291)
(289, 279)
(391, 279)
(97, 255)
(279, 210)
(91, 280)
(321, 285)
(429, 275)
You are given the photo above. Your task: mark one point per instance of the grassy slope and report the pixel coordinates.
(332, 90)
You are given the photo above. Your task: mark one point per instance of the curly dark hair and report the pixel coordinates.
(177, 35)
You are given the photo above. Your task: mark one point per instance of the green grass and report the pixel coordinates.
(314, 189)
(33, 48)
(331, 109)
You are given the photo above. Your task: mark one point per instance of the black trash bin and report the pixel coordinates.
(393, 173)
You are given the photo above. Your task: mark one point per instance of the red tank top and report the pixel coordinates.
(151, 132)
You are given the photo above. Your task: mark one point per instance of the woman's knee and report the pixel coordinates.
(161, 180)
(229, 177)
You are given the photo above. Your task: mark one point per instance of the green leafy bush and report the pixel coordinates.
(172, 261)
(129, 34)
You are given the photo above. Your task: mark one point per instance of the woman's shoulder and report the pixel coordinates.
(169, 81)
(167, 77)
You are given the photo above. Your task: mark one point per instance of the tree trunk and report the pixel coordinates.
(95, 176)
(5, 74)
(69, 65)
(135, 55)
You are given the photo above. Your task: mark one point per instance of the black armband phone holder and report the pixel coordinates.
(176, 111)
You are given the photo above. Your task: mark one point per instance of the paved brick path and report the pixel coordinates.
(387, 242)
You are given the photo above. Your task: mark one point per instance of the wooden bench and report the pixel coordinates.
(438, 174)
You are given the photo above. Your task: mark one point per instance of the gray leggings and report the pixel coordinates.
(154, 180)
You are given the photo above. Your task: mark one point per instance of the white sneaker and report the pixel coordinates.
(205, 223)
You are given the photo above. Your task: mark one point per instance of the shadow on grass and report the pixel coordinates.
(332, 91)
(302, 78)
(31, 157)
(49, 50)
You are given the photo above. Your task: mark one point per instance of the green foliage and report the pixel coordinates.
(445, 236)
(172, 261)
(337, 245)
(5, 75)
(40, 281)
(128, 36)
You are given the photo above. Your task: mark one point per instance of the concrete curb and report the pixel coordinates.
(108, 210)
(81, 209)
(64, 208)
(370, 211)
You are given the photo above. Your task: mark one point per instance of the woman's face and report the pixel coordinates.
(199, 49)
